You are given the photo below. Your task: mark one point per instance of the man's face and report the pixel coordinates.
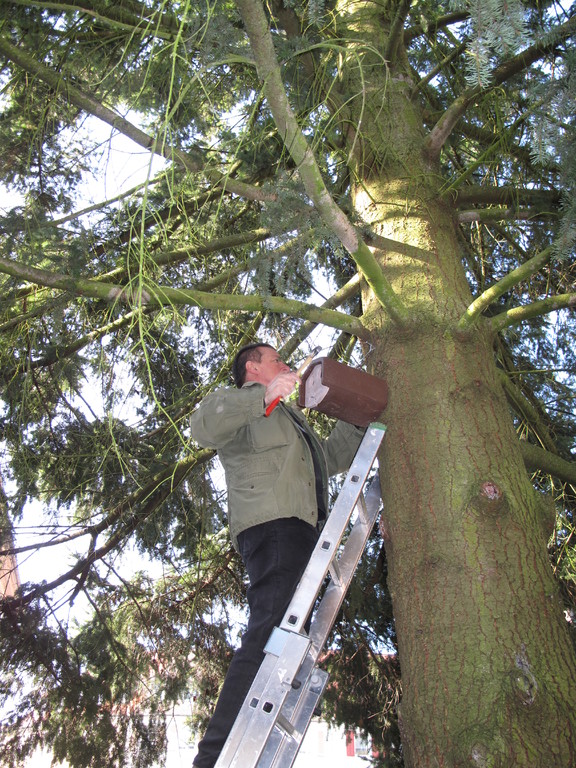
(268, 368)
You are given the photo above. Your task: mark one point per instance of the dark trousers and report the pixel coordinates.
(275, 554)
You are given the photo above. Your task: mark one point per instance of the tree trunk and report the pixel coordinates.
(488, 669)
(487, 666)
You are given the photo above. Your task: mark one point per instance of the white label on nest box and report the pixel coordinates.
(315, 391)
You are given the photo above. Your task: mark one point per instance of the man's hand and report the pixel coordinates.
(281, 386)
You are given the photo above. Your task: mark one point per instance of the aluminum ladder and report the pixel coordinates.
(280, 704)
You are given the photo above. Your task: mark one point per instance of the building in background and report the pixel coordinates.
(9, 578)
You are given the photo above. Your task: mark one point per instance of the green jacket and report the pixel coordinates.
(267, 460)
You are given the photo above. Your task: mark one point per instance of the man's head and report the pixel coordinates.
(257, 362)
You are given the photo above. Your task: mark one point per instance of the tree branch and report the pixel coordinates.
(492, 294)
(156, 297)
(139, 496)
(536, 309)
(493, 148)
(527, 411)
(513, 149)
(504, 214)
(506, 195)
(343, 294)
(538, 459)
(440, 67)
(171, 258)
(440, 23)
(41, 308)
(57, 354)
(397, 31)
(145, 185)
(292, 26)
(268, 68)
(522, 61)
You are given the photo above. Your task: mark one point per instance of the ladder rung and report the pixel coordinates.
(334, 570)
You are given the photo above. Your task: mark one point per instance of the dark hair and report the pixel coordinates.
(245, 353)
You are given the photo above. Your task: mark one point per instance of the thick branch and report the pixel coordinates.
(397, 31)
(269, 71)
(170, 258)
(501, 74)
(57, 354)
(536, 309)
(538, 459)
(528, 412)
(507, 195)
(492, 294)
(89, 104)
(156, 296)
(440, 23)
(505, 214)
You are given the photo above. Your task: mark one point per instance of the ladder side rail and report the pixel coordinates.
(284, 753)
(297, 712)
(326, 549)
(298, 709)
(285, 653)
(232, 745)
(334, 595)
(338, 570)
(268, 707)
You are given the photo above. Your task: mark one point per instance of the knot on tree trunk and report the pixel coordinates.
(523, 680)
(482, 756)
(490, 500)
(481, 746)
(491, 492)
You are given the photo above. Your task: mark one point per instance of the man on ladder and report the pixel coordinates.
(277, 477)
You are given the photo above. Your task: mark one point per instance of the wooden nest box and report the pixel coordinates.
(342, 392)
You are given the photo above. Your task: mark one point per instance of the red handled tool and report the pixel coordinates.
(299, 372)
(272, 405)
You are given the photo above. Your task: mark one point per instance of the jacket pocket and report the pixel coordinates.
(268, 433)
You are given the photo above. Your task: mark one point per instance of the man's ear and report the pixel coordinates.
(251, 366)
